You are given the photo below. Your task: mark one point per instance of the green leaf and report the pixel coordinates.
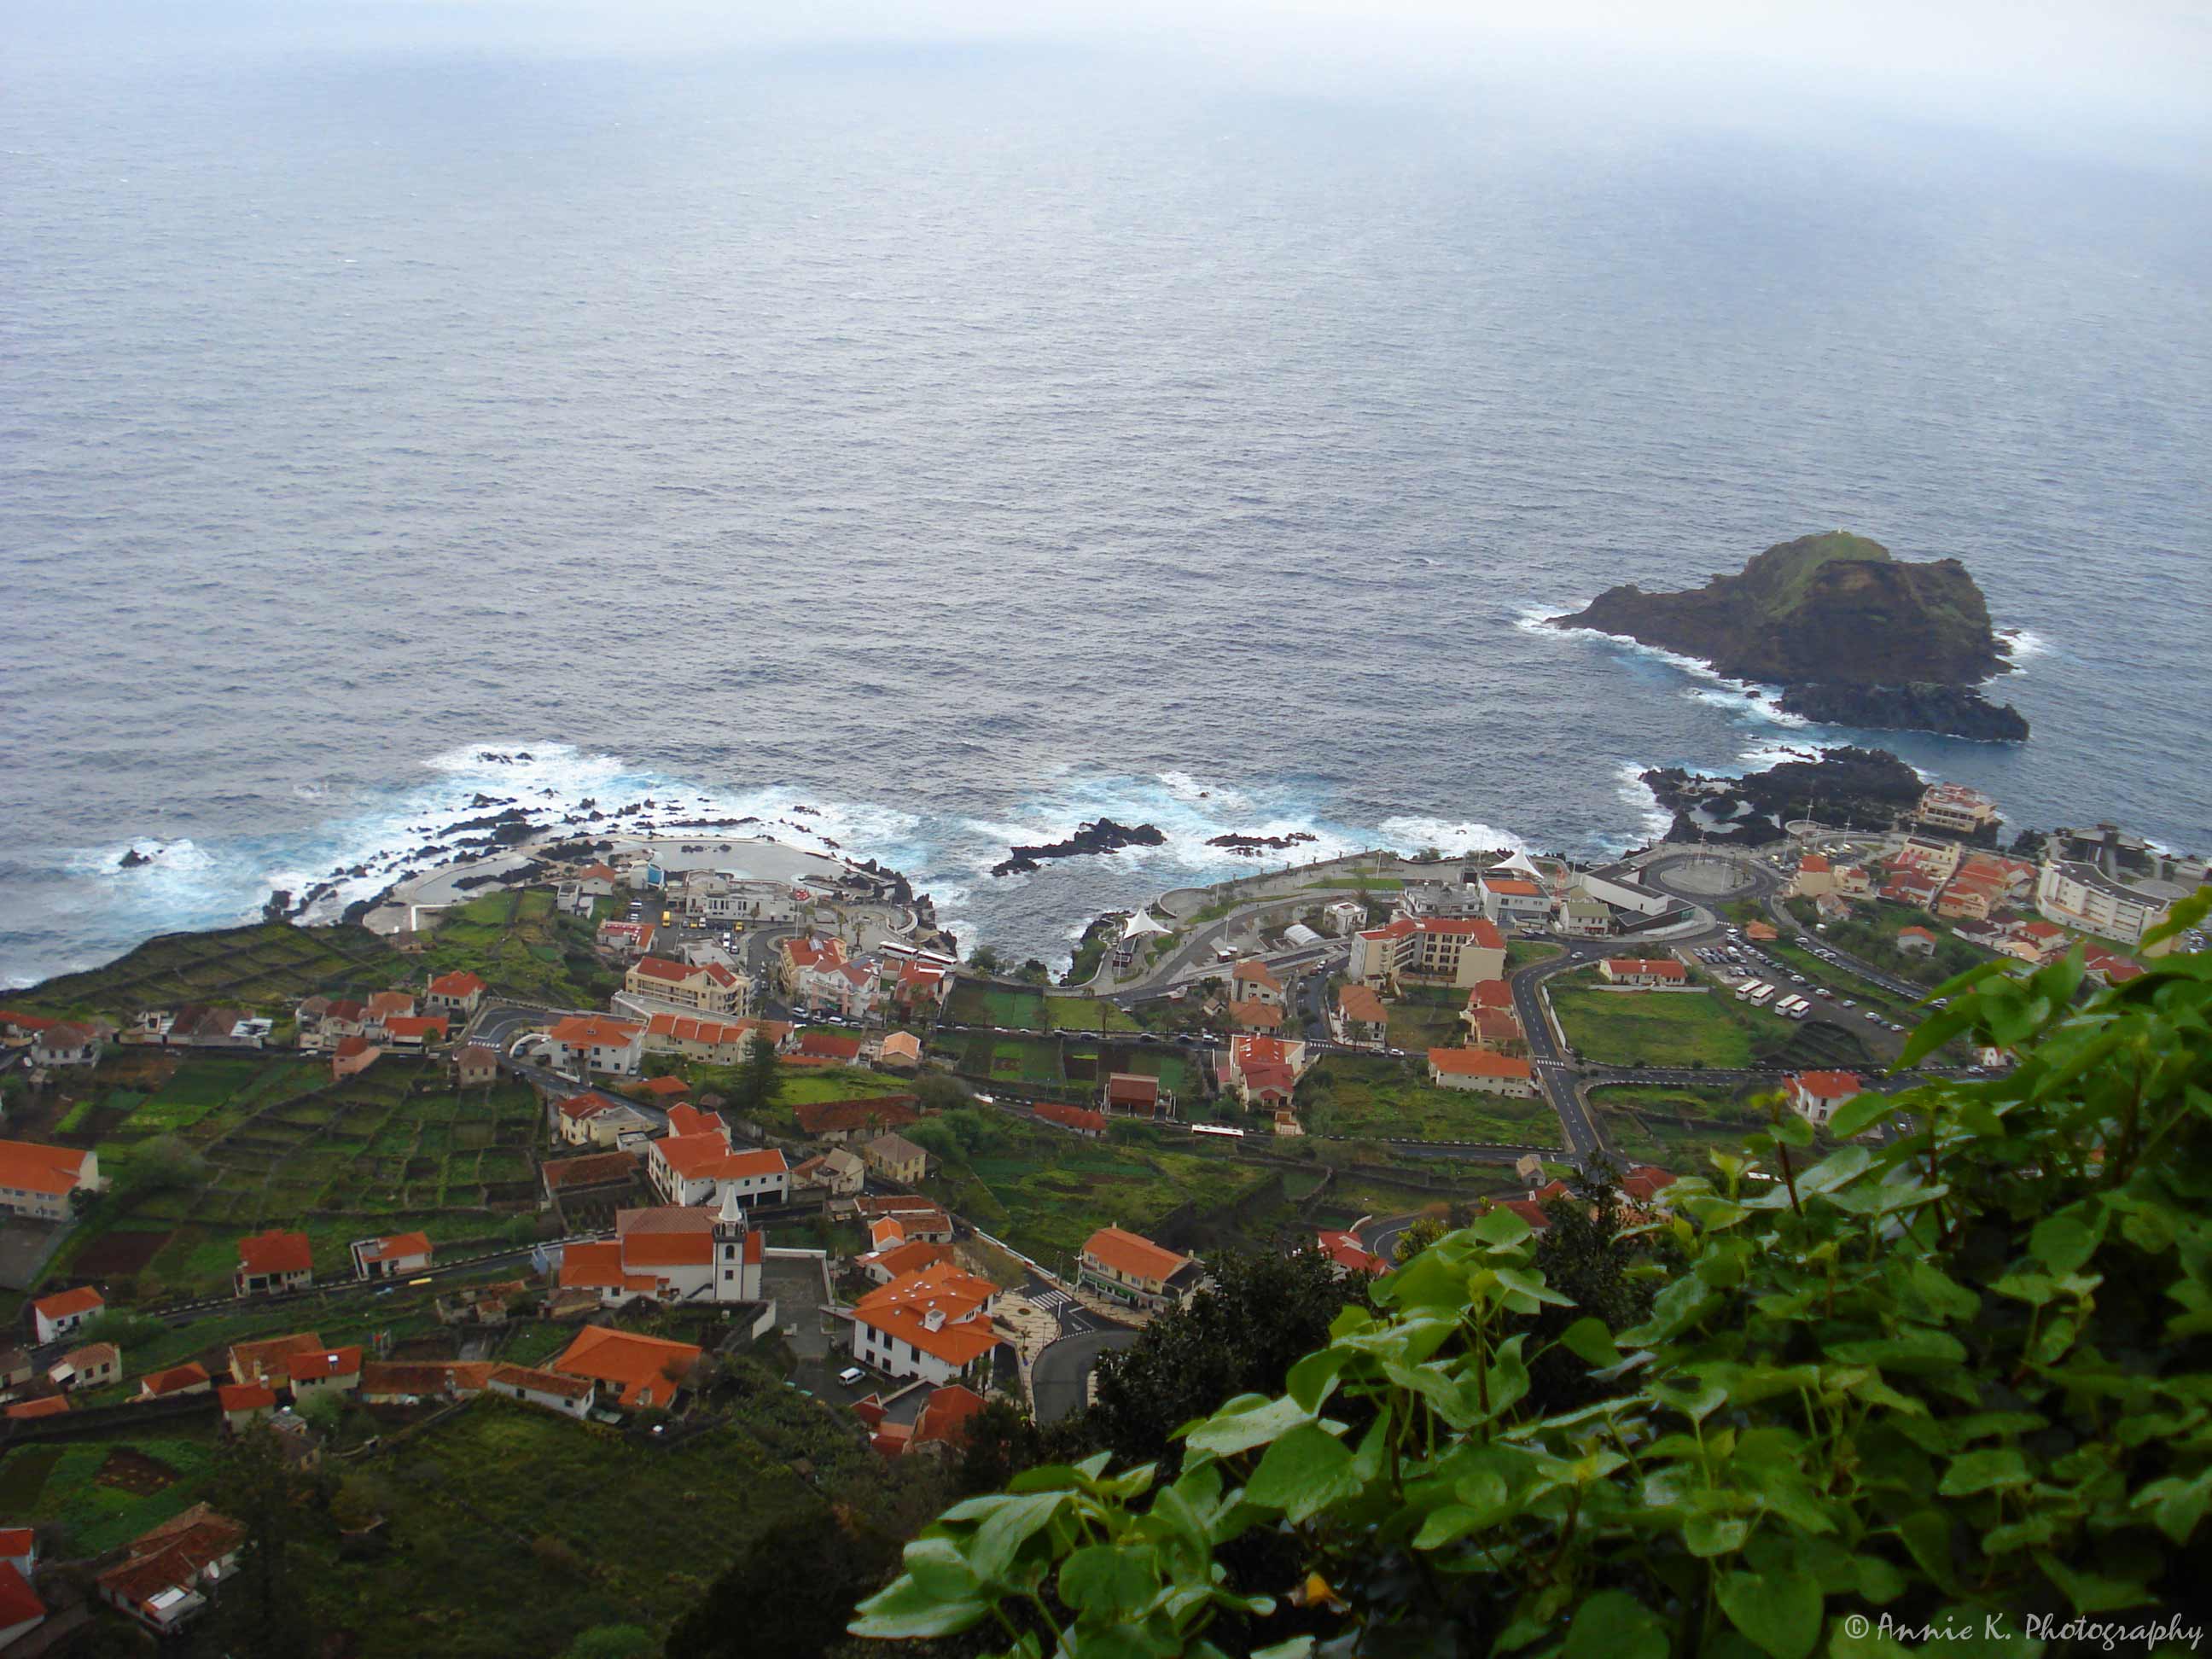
(1298, 1647)
(1247, 1421)
(2188, 913)
(1315, 1377)
(1781, 1612)
(1614, 1624)
(992, 1547)
(1109, 1582)
(1531, 1285)
(1792, 1131)
(2062, 1243)
(1499, 1227)
(1303, 1473)
(1589, 1340)
(2092, 1592)
(906, 1609)
(1846, 1164)
(1995, 1467)
(1714, 1535)
(2176, 1505)
(1911, 1350)
(1859, 1114)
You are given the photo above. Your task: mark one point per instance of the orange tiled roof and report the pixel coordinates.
(328, 1363)
(1359, 1002)
(35, 1167)
(175, 1380)
(460, 984)
(1130, 1253)
(245, 1396)
(398, 1245)
(1828, 1085)
(1479, 1062)
(635, 1365)
(275, 1252)
(590, 1031)
(60, 1305)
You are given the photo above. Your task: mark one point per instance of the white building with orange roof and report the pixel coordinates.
(1263, 1072)
(1644, 973)
(1515, 899)
(1482, 1071)
(36, 1180)
(398, 1255)
(935, 1324)
(594, 1042)
(1460, 951)
(1814, 1096)
(671, 1254)
(707, 988)
(1357, 1018)
(458, 992)
(718, 1042)
(638, 1373)
(1252, 980)
(55, 1316)
(695, 1164)
(1129, 1267)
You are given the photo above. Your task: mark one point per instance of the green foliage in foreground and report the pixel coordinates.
(1962, 1376)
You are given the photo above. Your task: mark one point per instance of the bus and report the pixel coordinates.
(1750, 988)
(1761, 995)
(1217, 1131)
(1796, 1007)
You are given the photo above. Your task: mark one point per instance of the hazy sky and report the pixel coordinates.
(2106, 74)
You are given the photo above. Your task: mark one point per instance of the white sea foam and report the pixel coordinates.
(1655, 819)
(1411, 832)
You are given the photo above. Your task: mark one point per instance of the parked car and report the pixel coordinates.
(852, 1376)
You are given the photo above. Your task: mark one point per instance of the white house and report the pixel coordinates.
(1814, 1096)
(1483, 1071)
(55, 1316)
(571, 1396)
(398, 1256)
(695, 1163)
(935, 1324)
(671, 1254)
(613, 1047)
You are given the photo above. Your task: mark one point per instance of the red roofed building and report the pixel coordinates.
(1253, 981)
(571, 1396)
(269, 1360)
(1461, 951)
(1133, 1094)
(415, 1031)
(640, 1372)
(722, 1043)
(331, 1370)
(45, 1406)
(273, 1261)
(695, 1163)
(901, 1256)
(55, 1316)
(663, 1090)
(1076, 1119)
(935, 1324)
(160, 1582)
(825, 1049)
(1131, 1269)
(1357, 1017)
(626, 938)
(175, 1383)
(1255, 1016)
(1918, 941)
(839, 1123)
(457, 993)
(244, 1404)
(1515, 901)
(22, 1612)
(398, 1256)
(352, 1056)
(384, 1006)
(1498, 1030)
(1353, 1259)
(36, 1180)
(673, 1253)
(1643, 971)
(1815, 1095)
(940, 1426)
(591, 1043)
(1483, 1071)
(710, 988)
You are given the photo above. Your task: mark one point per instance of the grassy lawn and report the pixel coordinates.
(1654, 1028)
(1393, 1099)
(1426, 1017)
(522, 949)
(1675, 1128)
(1044, 1192)
(557, 1526)
(1087, 1014)
(63, 1485)
(1520, 953)
(267, 968)
(392, 1149)
(1021, 1009)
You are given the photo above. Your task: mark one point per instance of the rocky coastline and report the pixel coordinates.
(1854, 636)
(1105, 835)
(1846, 788)
(1251, 846)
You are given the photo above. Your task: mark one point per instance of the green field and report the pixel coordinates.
(1675, 1128)
(61, 1485)
(1426, 1017)
(1020, 1008)
(267, 968)
(522, 949)
(1655, 1027)
(555, 1525)
(1520, 953)
(392, 1149)
(1087, 1014)
(1382, 1098)
(1045, 1192)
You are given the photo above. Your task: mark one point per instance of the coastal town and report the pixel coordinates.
(578, 1155)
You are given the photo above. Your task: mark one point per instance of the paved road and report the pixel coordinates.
(1058, 1379)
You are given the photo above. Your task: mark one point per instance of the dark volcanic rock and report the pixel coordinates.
(132, 857)
(1252, 846)
(1837, 615)
(1103, 836)
(1854, 789)
(1957, 711)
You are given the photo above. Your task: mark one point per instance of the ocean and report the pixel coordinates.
(965, 443)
